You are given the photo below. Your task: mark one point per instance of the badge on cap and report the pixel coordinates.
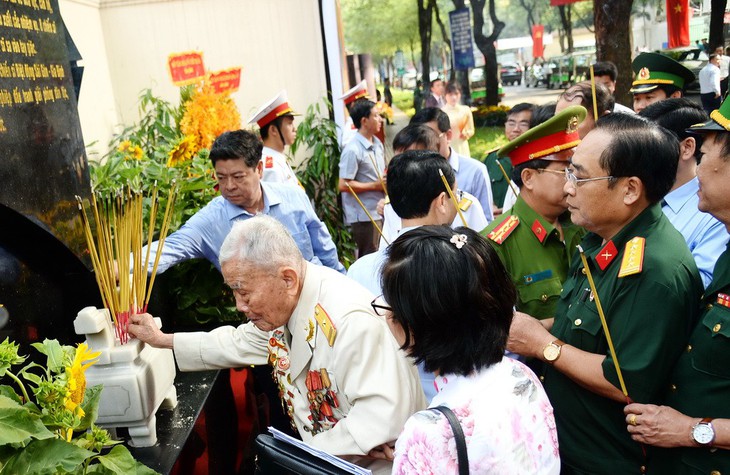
(643, 74)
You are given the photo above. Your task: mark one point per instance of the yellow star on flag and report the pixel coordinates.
(678, 8)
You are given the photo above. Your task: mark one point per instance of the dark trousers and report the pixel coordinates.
(366, 237)
(710, 102)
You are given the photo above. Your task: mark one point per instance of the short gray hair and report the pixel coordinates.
(261, 241)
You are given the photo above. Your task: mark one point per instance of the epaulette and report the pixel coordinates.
(325, 324)
(464, 203)
(633, 260)
(502, 232)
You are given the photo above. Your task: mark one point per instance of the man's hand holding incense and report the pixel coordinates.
(143, 327)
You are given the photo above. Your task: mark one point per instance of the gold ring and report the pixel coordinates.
(632, 419)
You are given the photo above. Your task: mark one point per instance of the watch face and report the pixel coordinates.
(551, 352)
(703, 433)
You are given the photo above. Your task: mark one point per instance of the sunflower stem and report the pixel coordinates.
(20, 383)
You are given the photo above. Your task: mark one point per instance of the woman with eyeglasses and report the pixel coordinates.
(450, 307)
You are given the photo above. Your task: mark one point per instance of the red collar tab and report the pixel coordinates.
(606, 255)
(539, 231)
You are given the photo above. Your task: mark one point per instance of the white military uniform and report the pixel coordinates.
(470, 208)
(277, 168)
(375, 384)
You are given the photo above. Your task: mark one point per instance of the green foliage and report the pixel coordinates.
(403, 100)
(36, 434)
(143, 157)
(319, 174)
(486, 139)
(490, 116)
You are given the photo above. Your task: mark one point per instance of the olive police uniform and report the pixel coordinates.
(534, 256)
(648, 285)
(700, 383)
(498, 180)
(529, 246)
(343, 379)
(654, 69)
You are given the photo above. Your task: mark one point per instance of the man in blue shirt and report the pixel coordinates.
(705, 235)
(362, 165)
(236, 157)
(471, 174)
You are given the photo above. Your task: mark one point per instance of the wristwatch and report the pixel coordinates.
(703, 433)
(551, 352)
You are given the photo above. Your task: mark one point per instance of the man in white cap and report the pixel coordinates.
(276, 125)
(358, 92)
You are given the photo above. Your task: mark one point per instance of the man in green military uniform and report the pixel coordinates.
(647, 283)
(694, 426)
(658, 77)
(535, 238)
(517, 123)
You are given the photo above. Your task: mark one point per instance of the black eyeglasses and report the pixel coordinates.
(379, 306)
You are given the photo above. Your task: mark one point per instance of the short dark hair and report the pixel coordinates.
(668, 89)
(605, 68)
(642, 149)
(360, 109)
(542, 113)
(678, 114)
(604, 99)
(419, 134)
(432, 114)
(414, 182)
(535, 164)
(264, 131)
(453, 88)
(432, 83)
(459, 324)
(521, 107)
(237, 144)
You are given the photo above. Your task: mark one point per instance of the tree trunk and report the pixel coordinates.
(424, 30)
(486, 46)
(613, 42)
(567, 25)
(717, 15)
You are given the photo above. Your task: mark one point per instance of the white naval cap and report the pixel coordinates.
(357, 92)
(273, 109)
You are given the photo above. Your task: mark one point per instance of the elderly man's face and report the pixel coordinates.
(593, 204)
(263, 296)
(714, 175)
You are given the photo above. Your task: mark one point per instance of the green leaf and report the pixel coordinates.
(18, 424)
(120, 462)
(55, 353)
(49, 456)
(90, 405)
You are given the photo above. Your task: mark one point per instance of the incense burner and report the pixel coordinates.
(137, 378)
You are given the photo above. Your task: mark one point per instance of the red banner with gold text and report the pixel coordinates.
(186, 68)
(227, 80)
(678, 13)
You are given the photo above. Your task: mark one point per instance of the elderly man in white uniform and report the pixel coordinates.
(318, 330)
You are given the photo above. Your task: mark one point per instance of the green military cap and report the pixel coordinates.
(654, 69)
(552, 136)
(719, 120)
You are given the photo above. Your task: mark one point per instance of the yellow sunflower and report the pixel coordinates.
(182, 152)
(124, 146)
(137, 152)
(76, 379)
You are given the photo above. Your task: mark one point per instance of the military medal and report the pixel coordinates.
(321, 399)
(724, 300)
(279, 361)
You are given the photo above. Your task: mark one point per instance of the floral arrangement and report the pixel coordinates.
(385, 111)
(49, 426)
(207, 115)
(485, 116)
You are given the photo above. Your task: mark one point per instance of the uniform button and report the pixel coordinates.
(709, 306)
(583, 270)
(673, 387)
(577, 322)
(715, 472)
(716, 328)
(544, 297)
(689, 348)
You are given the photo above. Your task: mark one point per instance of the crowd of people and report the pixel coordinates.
(561, 306)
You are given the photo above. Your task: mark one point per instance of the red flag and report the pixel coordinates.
(678, 13)
(537, 45)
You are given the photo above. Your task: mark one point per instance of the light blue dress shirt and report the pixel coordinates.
(367, 271)
(356, 163)
(705, 235)
(472, 176)
(203, 234)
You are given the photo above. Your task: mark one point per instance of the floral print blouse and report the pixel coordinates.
(507, 422)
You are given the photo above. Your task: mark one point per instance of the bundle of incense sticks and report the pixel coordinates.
(116, 243)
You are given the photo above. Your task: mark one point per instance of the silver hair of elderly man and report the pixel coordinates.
(261, 241)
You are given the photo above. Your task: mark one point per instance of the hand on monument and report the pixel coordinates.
(143, 327)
